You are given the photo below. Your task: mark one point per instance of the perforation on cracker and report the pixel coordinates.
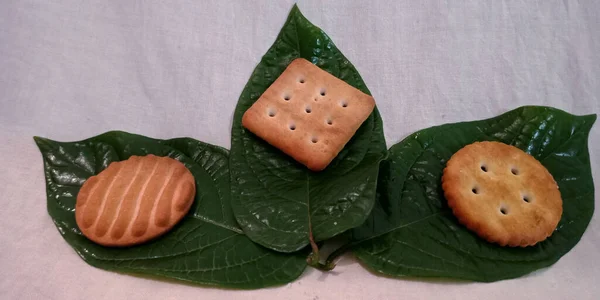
(308, 114)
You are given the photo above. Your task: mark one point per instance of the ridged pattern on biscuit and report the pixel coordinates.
(133, 201)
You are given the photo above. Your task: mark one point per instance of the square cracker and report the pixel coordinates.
(308, 114)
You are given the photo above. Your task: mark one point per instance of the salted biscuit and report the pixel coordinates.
(502, 193)
(308, 114)
(135, 200)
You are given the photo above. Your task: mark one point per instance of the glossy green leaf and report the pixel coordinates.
(206, 247)
(412, 232)
(278, 201)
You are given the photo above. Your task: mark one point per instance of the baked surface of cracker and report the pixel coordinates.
(502, 193)
(133, 201)
(308, 114)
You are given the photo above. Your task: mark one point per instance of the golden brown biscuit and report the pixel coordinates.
(503, 194)
(135, 200)
(308, 114)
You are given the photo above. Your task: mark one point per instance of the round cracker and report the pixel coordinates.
(134, 201)
(503, 194)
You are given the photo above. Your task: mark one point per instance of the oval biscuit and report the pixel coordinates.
(502, 193)
(135, 200)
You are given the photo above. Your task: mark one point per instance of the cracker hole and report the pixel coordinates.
(527, 199)
(271, 112)
(503, 210)
(292, 126)
(323, 92)
(475, 191)
(308, 110)
(515, 171)
(344, 103)
(287, 97)
(484, 168)
(329, 122)
(314, 139)
(301, 80)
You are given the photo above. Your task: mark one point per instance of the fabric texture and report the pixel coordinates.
(73, 69)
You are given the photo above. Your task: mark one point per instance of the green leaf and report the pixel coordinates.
(277, 201)
(206, 247)
(412, 232)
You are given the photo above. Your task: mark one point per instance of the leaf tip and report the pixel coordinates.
(295, 12)
(39, 140)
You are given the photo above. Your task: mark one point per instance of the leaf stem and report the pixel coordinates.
(339, 252)
(314, 259)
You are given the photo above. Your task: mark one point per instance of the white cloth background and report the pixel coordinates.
(73, 69)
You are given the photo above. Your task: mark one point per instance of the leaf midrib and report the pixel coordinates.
(213, 222)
